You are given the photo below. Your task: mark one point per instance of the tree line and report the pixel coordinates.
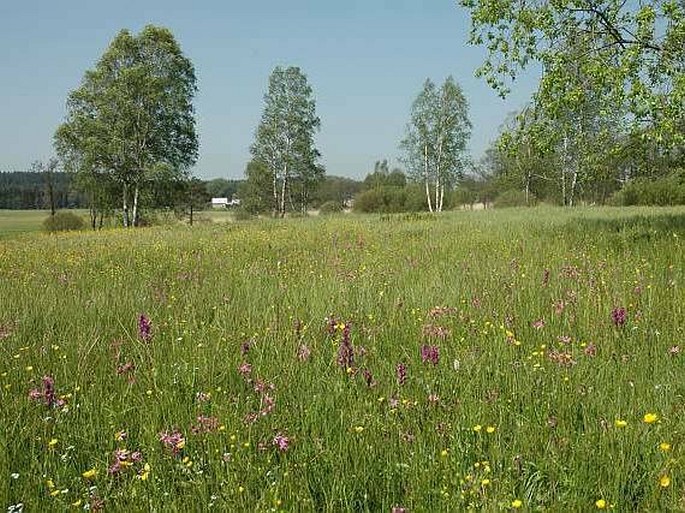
(609, 113)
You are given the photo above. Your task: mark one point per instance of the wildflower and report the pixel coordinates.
(485, 482)
(90, 474)
(245, 347)
(601, 504)
(516, 503)
(433, 398)
(490, 429)
(590, 350)
(281, 441)
(174, 441)
(477, 428)
(303, 353)
(144, 328)
(674, 350)
(539, 324)
(664, 481)
(205, 425)
(401, 372)
(245, 369)
(203, 397)
(430, 354)
(368, 378)
(359, 429)
(650, 418)
(53, 442)
(444, 453)
(620, 423)
(345, 350)
(664, 447)
(145, 473)
(398, 509)
(618, 316)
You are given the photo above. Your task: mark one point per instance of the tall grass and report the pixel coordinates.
(546, 336)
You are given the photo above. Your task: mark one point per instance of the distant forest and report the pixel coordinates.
(23, 190)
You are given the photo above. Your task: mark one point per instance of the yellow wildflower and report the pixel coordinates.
(664, 446)
(90, 474)
(477, 428)
(620, 423)
(650, 418)
(601, 504)
(665, 481)
(490, 429)
(516, 503)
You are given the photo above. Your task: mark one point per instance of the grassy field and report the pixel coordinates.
(21, 221)
(486, 361)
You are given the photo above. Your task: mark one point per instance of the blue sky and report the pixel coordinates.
(365, 59)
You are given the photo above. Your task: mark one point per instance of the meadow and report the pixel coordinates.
(488, 361)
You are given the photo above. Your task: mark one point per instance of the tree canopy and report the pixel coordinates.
(132, 117)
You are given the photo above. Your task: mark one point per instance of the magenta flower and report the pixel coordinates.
(282, 442)
(430, 354)
(173, 441)
(47, 393)
(205, 425)
(345, 350)
(619, 317)
(144, 328)
(368, 378)
(401, 374)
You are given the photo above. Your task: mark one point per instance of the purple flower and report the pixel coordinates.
(47, 394)
(399, 509)
(401, 373)
(205, 425)
(282, 442)
(144, 328)
(245, 347)
(303, 353)
(618, 316)
(345, 350)
(430, 354)
(173, 441)
(368, 377)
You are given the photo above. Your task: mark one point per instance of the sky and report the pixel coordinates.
(366, 61)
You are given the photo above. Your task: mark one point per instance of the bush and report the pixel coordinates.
(510, 198)
(666, 191)
(330, 207)
(62, 222)
(242, 214)
(385, 200)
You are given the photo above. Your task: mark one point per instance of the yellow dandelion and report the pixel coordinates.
(650, 418)
(359, 429)
(477, 428)
(601, 504)
(664, 446)
(664, 481)
(485, 482)
(444, 453)
(490, 429)
(90, 474)
(53, 442)
(516, 503)
(619, 423)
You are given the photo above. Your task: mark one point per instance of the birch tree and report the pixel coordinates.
(284, 139)
(132, 116)
(436, 138)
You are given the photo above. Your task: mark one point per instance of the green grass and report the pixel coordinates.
(221, 295)
(21, 221)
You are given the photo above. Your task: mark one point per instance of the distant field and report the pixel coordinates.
(19, 221)
(473, 361)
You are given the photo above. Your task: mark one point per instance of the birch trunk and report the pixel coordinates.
(425, 177)
(283, 190)
(125, 206)
(135, 206)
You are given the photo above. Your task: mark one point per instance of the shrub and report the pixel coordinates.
(242, 214)
(669, 190)
(62, 222)
(330, 207)
(510, 198)
(389, 199)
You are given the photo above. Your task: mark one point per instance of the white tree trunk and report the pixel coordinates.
(283, 191)
(125, 206)
(426, 177)
(135, 206)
